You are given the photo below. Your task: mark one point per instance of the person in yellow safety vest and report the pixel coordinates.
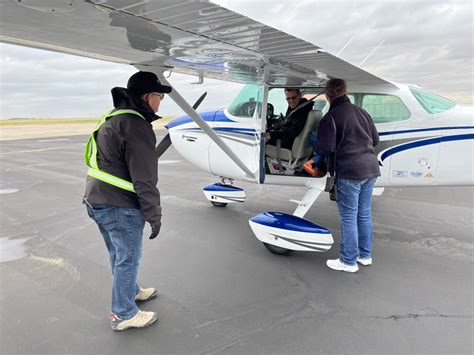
(121, 193)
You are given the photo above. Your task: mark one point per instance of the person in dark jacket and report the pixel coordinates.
(126, 152)
(348, 134)
(296, 114)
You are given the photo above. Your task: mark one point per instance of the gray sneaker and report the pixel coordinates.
(140, 320)
(146, 294)
(338, 265)
(365, 261)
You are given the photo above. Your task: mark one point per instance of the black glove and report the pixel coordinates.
(155, 230)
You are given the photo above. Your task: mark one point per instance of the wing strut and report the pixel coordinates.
(186, 107)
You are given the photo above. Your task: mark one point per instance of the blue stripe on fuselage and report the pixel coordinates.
(208, 116)
(244, 131)
(424, 130)
(421, 143)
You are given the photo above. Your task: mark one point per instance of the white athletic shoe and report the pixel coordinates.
(140, 320)
(365, 261)
(338, 265)
(146, 294)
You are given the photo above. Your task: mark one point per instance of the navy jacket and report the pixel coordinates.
(354, 139)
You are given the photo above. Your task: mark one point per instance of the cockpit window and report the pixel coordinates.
(432, 103)
(246, 101)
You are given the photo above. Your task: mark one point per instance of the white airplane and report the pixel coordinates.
(426, 140)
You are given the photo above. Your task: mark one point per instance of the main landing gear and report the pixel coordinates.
(281, 233)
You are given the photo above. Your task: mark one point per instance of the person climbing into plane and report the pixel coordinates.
(348, 135)
(315, 166)
(121, 192)
(289, 128)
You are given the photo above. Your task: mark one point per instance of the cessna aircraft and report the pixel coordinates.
(426, 140)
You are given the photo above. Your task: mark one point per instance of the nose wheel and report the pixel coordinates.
(221, 194)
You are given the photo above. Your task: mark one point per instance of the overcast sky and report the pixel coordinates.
(429, 43)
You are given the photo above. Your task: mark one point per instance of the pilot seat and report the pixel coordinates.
(281, 161)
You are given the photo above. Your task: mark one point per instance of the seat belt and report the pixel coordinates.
(278, 148)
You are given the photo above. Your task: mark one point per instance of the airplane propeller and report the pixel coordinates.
(166, 141)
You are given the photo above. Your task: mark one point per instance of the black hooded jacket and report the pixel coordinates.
(353, 140)
(126, 149)
(292, 127)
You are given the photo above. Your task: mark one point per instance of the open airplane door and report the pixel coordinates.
(239, 126)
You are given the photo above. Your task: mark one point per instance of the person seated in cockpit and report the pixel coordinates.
(290, 127)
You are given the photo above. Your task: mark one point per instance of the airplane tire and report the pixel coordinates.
(277, 250)
(218, 204)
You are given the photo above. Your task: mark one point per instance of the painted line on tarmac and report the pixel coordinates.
(33, 150)
(166, 162)
(53, 140)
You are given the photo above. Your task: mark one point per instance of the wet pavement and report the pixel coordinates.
(220, 290)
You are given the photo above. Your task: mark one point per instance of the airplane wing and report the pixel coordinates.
(191, 37)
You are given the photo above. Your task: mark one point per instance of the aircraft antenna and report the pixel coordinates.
(370, 54)
(350, 40)
(347, 43)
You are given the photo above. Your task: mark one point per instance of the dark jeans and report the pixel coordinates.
(354, 203)
(122, 230)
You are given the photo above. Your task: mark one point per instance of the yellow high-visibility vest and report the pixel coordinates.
(90, 154)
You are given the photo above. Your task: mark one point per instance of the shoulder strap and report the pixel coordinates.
(335, 144)
(90, 153)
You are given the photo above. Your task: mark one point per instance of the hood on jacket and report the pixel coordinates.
(124, 99)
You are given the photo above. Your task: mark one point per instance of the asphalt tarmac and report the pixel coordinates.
(220, 290)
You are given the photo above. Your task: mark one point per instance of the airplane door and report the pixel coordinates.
(413, 156)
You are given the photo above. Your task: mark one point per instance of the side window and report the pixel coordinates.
(245, 103)
(432, 103)
(384, 108)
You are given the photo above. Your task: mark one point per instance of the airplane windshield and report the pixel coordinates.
(246, 101)
(432, 103)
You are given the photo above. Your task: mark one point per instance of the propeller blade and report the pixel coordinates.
(198, 102)
(166, 141)
(163, 145)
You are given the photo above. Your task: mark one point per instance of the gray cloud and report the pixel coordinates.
(429, 43)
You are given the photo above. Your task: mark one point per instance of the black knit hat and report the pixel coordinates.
(145, 82)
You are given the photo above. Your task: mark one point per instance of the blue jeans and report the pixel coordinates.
(355, 198)
(313, 140)
(122, 229)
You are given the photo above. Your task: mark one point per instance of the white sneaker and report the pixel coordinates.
(338, 265)
(365, 261)
(146, 294)
(140, 320)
